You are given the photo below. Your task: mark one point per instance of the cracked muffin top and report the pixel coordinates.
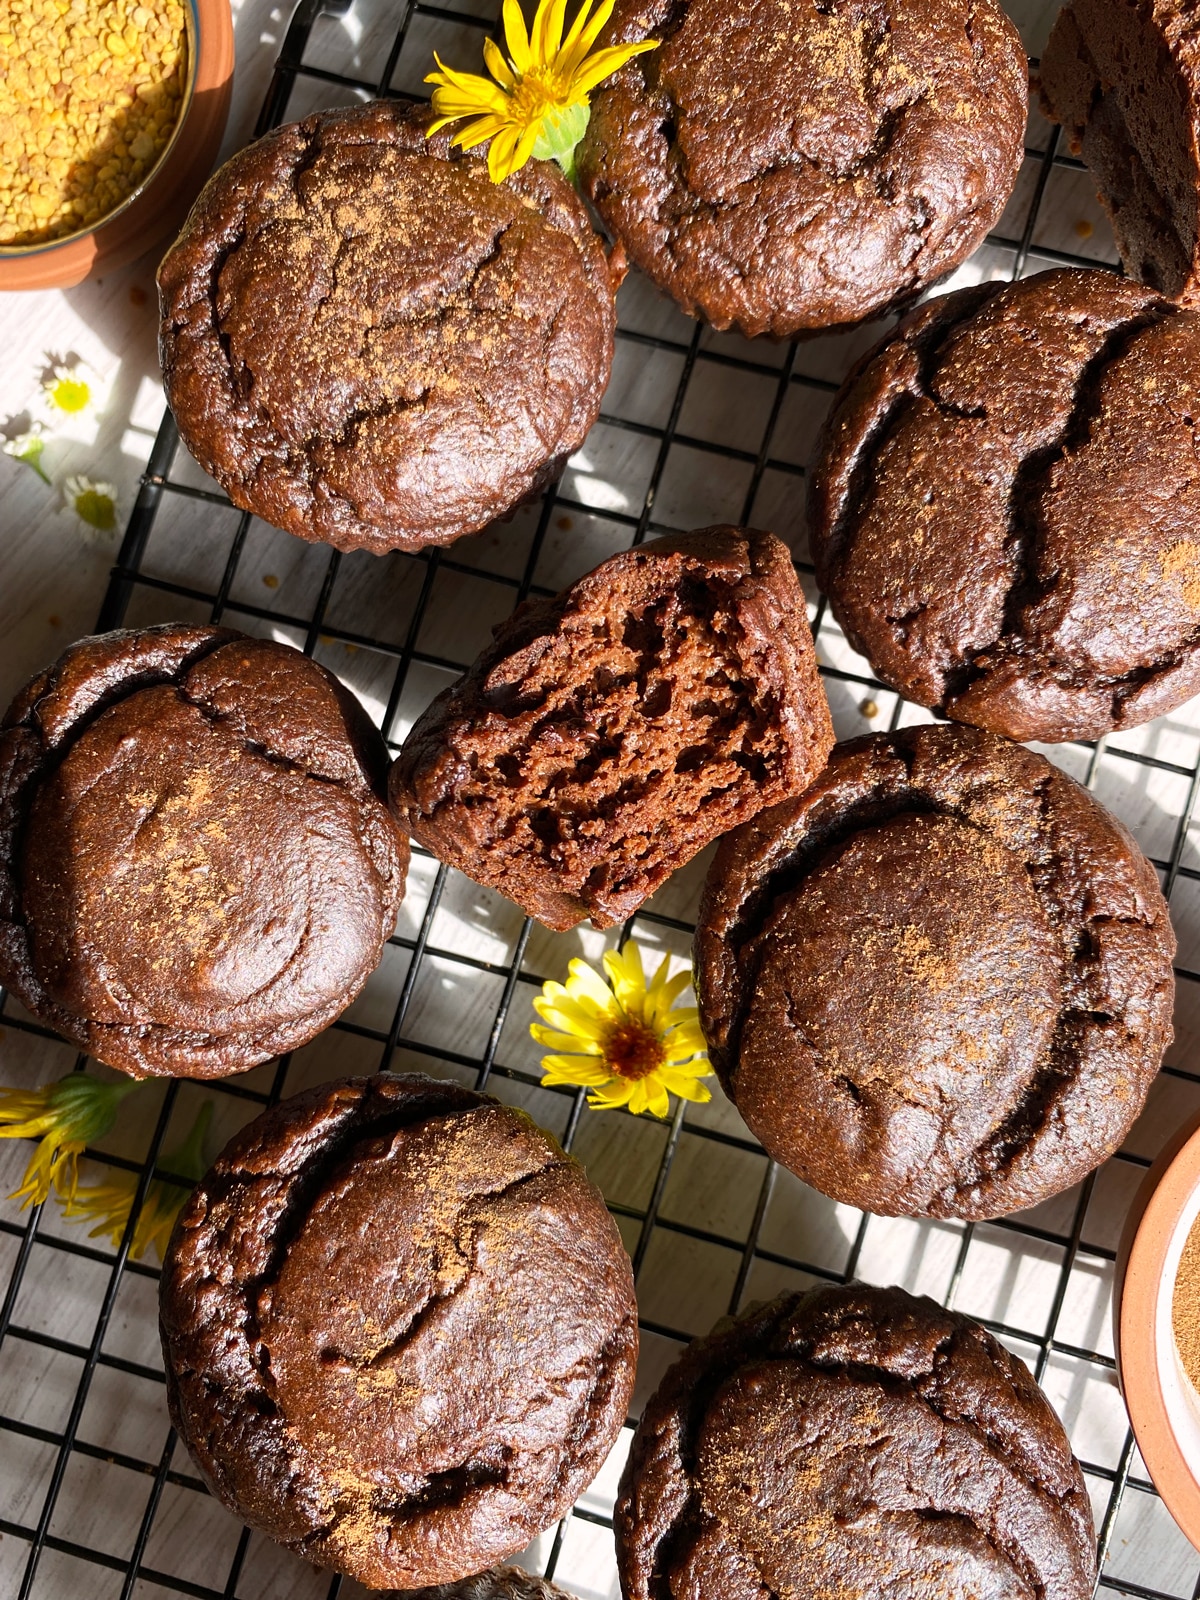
(852, 1442)
(399, 1329)
(612, 732)
(369, 343)
(939, 983)
(780, 165)
(1004, 511)
(1123, 78)
(197, 869)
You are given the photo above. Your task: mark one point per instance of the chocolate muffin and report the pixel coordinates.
(398, 1327)
(1004, 511)
(367, 342)
(611, 733)
(1123, 78)
(938, 983)
(499, 1583)
(852, 1442)
(198, 869)
(779, 165)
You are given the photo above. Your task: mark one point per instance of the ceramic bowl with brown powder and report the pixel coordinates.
(1156, 1301)
(111, 113)
(90, 93)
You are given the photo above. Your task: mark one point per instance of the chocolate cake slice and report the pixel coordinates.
(612, 732)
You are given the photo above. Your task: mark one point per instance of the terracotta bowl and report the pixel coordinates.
(1164, 1409)
(156, 208)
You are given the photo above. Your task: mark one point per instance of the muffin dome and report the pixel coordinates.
(399, 1329)
(852, 1441)
(1004, 510)
(367, 342)
(197, 870)
(938, 983)
(778, 165)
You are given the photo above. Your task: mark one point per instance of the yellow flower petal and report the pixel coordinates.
(546, 33)
(516, 38)
(628, 977)
(497, 65)
(692, 1066)
(526, 143)
(570, 1016)
(686, 1088)
(661, 972)
(663, 997)
(686, 1043)
(35, 1185)
(571, 44)
(565, 1041)
(696, 1063)
(576, 1069)
(649, 1096)
(25, 1107)
(109, 1203)
(605, 62)
(612, 1098)
(477, 132)
(466, 94)
(584, 983)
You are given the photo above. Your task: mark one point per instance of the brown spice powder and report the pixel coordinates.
(1185, 1306)
(1182, 562)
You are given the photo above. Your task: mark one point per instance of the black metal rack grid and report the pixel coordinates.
(744, 463)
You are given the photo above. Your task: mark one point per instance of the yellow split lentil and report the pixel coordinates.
(90, 92)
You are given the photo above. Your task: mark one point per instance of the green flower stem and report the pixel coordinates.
(87, 1106)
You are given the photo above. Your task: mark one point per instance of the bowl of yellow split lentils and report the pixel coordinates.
(93, 94)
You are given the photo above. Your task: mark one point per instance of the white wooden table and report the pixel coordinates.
(50, 580)
(707, 1236)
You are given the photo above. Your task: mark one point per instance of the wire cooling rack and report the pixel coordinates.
(97, 1499)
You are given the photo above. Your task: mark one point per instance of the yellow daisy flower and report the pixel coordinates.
(108, 1204)
(626, 1039)
(67, 389)
(538, 104)
(64, 1117)
(95, 504)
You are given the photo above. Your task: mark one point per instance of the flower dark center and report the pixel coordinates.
(633, 1051)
